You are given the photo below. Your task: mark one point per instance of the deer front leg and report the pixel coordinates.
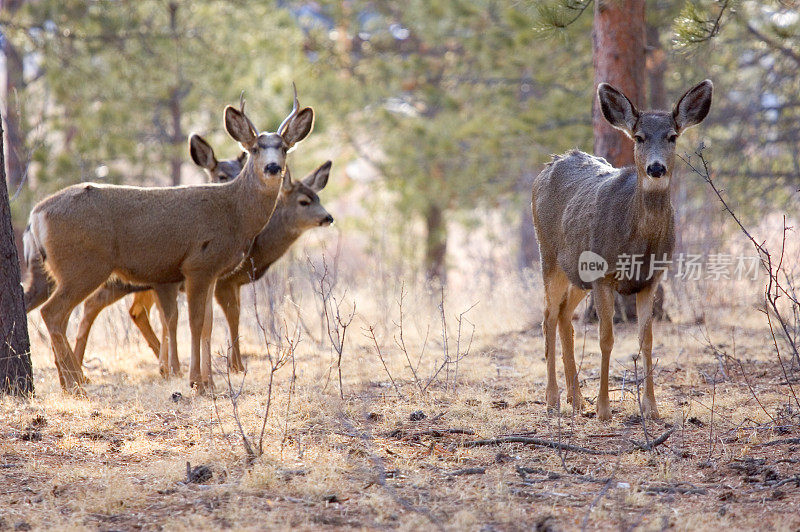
(604, 301)
(206, 371)
(197, 298)
(227, 295)
(555, 289)
(100, 299)
(644, 311)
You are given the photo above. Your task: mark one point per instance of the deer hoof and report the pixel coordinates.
(603, 411)
(551, 396)
(576, 399)
(649, 409)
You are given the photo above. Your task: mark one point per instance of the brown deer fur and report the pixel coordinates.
(297, 210)
(581, 203)
(159, 236)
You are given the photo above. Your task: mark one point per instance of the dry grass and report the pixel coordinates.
(117, 460)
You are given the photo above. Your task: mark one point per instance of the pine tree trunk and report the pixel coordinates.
(619, 59)
(16, 373)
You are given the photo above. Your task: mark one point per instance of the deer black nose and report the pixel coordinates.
(273, 168)
(656, 170)
(328, 220)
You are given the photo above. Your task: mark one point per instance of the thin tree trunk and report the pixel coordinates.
(14, 86)
(16, 373)
(656, 69)
(435, 244)
(176, 161)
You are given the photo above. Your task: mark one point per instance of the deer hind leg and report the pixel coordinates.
(196, 298)
(139, 312)
(38, 286)
(644, 311)
(604, 300)
(104, 296)
(565, 330)
(55, 313)
(227, 295)
(166, 297)
(555, 291)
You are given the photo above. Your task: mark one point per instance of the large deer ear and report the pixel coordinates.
(298, 127)
(240, 128)
(617, 108)
(693, 106)
(202, 153)
(317, 179)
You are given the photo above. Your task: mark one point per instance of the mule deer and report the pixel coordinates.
(583, 205)
(298, 209)
(160, 236)
(217, 172)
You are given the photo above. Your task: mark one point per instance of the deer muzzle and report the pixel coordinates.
(272, 169)
(656, 170)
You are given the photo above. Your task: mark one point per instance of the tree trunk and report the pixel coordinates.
(528, 245)
(14, 86)
(16, 373)
(656, 69)
(176, 161)
(619, 59)
(435, 244)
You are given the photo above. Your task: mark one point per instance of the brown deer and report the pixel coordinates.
(591, 219)
(160, 237)
(298, 209)
(38, 286)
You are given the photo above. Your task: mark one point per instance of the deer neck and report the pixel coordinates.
(255, 201)
(275, 239)
(651, 210)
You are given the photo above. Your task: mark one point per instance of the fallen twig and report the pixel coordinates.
(690, 490)
(779, 442)
(467, 471)
(567, 447)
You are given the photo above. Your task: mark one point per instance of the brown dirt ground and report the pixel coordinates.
(117, 460)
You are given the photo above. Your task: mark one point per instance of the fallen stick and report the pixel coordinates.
(467, 471)
(567, 447)
(779, 442)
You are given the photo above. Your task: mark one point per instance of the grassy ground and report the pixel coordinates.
(118, 460)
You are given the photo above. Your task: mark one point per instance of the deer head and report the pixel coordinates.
(218, 171)
(267, 151)
(655, 132)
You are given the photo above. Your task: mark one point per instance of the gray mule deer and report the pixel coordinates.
(159, 237)
(587, 212)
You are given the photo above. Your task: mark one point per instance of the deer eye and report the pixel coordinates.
(672, 138)
(638, 138)
(304, 202)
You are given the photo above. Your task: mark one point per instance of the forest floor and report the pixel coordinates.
(397, 455)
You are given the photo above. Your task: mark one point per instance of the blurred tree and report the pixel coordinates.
(123, 82)
(445, 95)
(15, 361)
